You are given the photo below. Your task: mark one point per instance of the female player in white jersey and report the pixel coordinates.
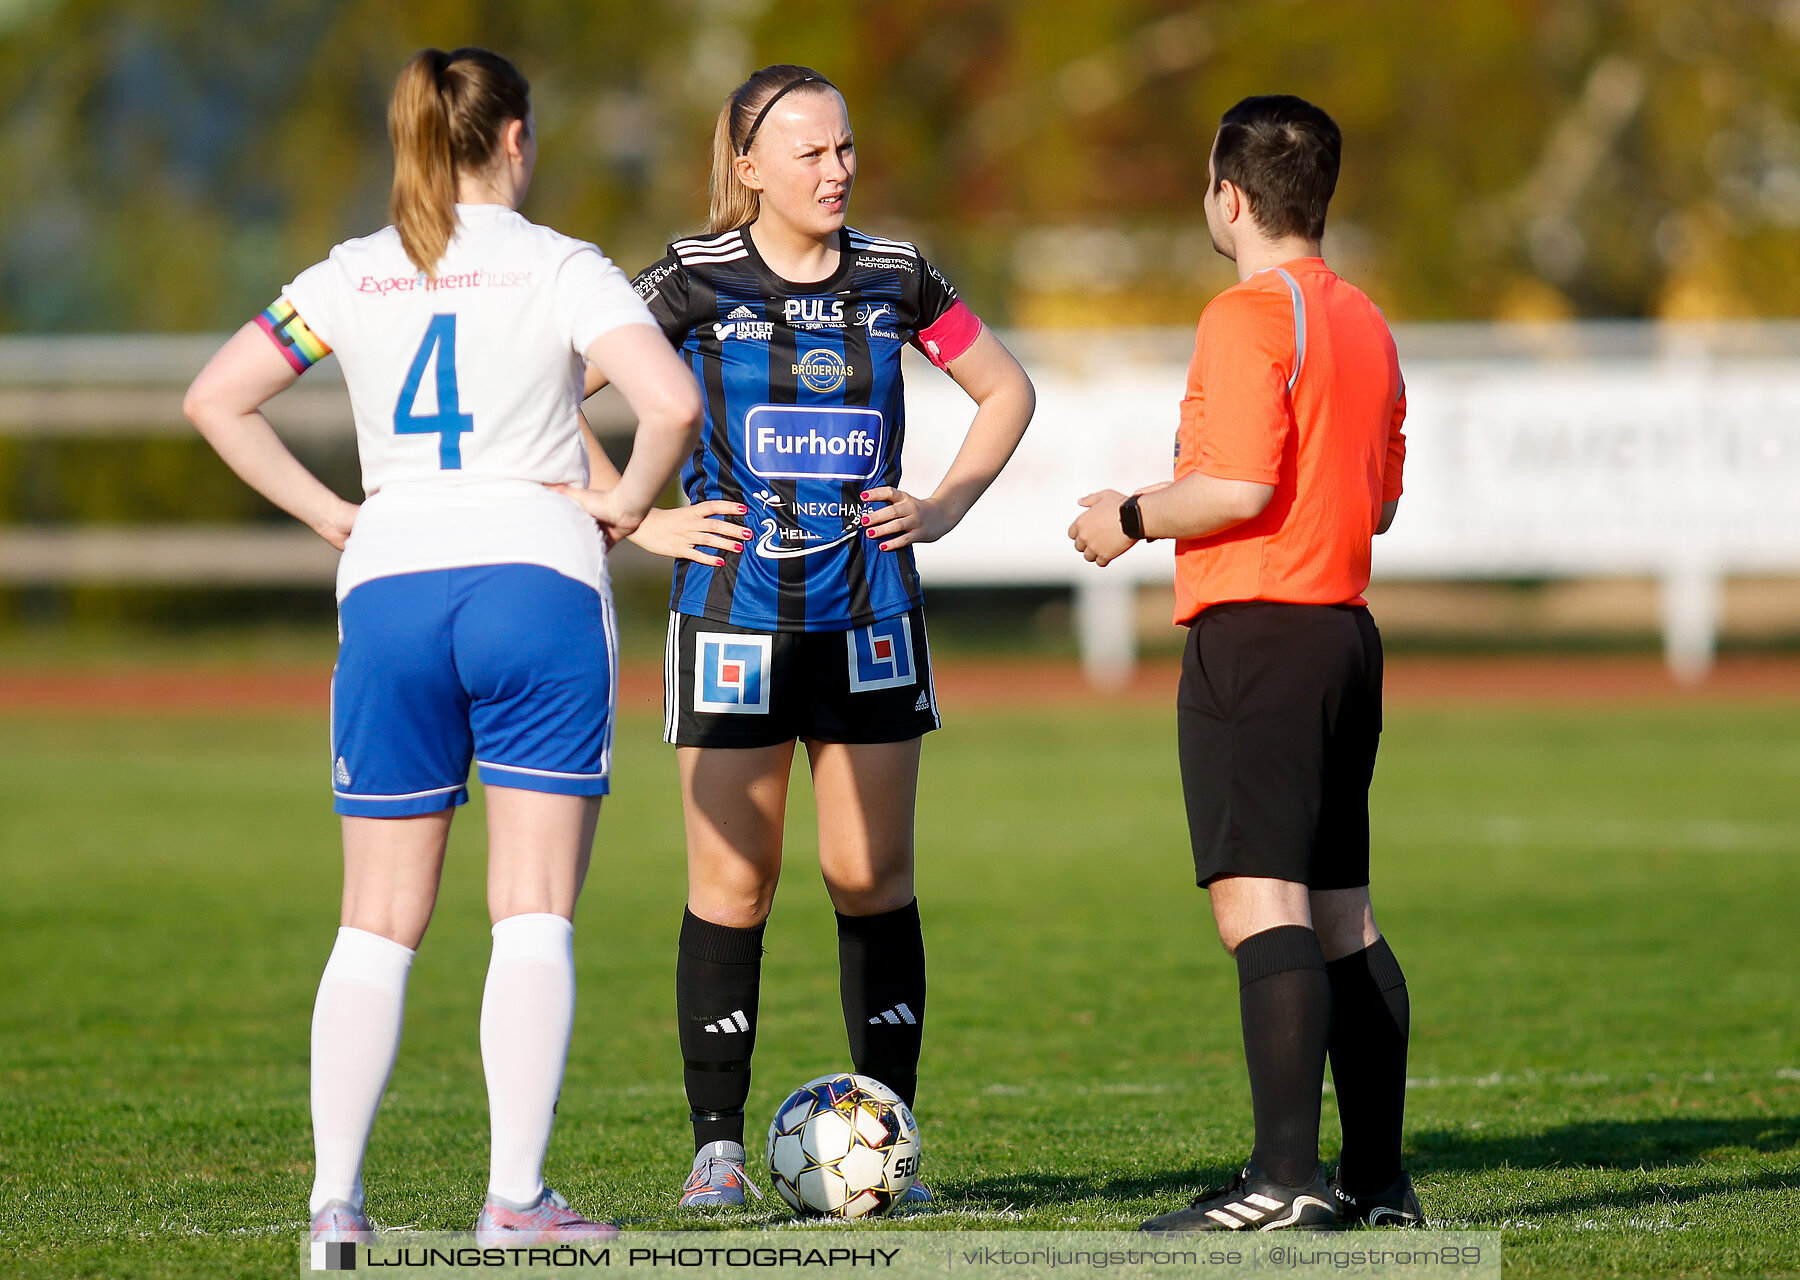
(793, 324)
(474, 608)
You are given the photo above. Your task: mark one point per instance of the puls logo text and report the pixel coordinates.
(819, 313)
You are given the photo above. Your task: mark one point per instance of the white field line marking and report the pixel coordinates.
(1518, 831)
(1492, 1079)
(1595, 1078)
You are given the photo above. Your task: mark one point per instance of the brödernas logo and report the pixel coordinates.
(823, 370)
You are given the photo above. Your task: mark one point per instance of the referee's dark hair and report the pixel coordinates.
(1282, 153)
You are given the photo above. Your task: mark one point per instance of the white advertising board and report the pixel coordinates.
(1685, 466)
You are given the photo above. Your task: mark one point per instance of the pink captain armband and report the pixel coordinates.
(950, 335)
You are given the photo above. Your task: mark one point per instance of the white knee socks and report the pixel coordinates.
(355, 1035)
(527, 1012)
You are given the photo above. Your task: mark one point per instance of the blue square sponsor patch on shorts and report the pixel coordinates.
(881, 655)
(813, 442)
(731, 673)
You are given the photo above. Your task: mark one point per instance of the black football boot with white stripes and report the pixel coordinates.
(1251, 1202)
(1398, 1206)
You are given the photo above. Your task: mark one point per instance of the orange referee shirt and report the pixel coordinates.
(1294, 383)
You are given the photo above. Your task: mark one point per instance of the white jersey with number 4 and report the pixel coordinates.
(464, 388)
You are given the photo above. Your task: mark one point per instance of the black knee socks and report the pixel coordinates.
(881, 961)
(1370, 1022)
(717, 979)
(718, 976)
(1284, 996)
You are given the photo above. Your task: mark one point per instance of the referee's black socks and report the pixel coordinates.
(1284, 996)
(1370, 1021)
(718, 977)
(881, 967)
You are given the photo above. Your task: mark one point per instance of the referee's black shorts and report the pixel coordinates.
(1279, 717)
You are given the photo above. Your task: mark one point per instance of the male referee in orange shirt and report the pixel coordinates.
(1287, 463)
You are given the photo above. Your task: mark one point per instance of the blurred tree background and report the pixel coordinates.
(171, 163)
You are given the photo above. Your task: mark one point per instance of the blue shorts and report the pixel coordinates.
(512, 665)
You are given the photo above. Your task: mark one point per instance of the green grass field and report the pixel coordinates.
(1596, 910)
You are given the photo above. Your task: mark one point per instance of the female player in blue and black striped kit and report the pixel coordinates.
(808, 625)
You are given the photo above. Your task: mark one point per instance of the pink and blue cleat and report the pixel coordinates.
(547, 1220)
(339, 1220)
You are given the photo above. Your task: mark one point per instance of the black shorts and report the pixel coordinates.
(1279, 717)
(728, 686)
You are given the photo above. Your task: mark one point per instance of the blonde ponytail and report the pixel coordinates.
(734, 205)
(445, 119)
(424, 200)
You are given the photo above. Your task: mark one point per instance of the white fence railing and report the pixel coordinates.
(1535, 452)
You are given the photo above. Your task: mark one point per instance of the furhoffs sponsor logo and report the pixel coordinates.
(822, 442)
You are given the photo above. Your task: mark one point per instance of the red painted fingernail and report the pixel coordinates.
(719, 563)
(739, 547)
(884, 546)
(865, 497)
(744, 533)
(865, 520)
(743, 511)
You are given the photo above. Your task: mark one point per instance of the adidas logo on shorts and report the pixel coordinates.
(924, 702)
(735, 1023)
(341, 773)
(895, 1016)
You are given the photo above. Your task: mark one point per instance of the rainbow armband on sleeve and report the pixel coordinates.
(951, 334)
(288, 331)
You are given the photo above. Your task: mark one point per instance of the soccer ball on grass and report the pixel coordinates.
(843, 1146)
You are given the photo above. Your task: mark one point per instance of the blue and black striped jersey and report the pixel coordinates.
(804, 414)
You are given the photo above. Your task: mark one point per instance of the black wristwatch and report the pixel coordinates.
(1131, 520)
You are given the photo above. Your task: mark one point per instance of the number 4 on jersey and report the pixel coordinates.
(449, 424)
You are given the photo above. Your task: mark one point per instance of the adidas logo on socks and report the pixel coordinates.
(895, 1016)
(735, 1023)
